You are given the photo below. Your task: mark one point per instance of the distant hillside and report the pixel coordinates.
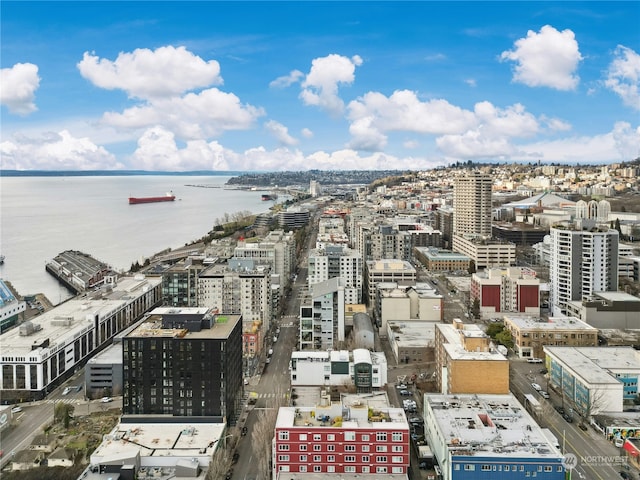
(324, 177)
(108, 173)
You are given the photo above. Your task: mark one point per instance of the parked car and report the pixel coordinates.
(401, 386)
(544, 371)
(236, 457)
(536, 387)
(567, 418)
(106, 399)
(559, 409)
(534, 360)
(16, 409)
(544, 394)
(406, 393)
(624, 475)
(243, 432)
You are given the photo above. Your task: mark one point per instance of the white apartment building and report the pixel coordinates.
(337, 261)
(276, 250)
(581, 262)
(322, 315)
(362, 368)
(246, 292)
(485, 251)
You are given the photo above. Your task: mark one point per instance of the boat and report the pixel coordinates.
(266, 197)
(169, 197)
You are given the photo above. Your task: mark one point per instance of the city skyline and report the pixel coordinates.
(270, 86)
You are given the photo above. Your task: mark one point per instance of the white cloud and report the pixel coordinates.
(56, 151)
(306, 133)
(18, 85)
(623, 77)
(320, 87)
(374, 114)
(621, 144)
(555, 124)
(471, 82)
(157, 150)
(143, 73)
(194, 116)
(512, 121)
(473, 144)
(411, 144)
(280, 132)
(546, 59)
(285, 81)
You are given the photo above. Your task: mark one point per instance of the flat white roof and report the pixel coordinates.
(418, 333)
(60, 324)
(553, 323)
(594, 364)
(488, 426)
(178, 440)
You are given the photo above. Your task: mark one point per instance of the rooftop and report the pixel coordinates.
(153, 440)
(553, 323)
(353, 411)
(488, 426)
(594, 364)
(152, 326)
(417, 333)
(70, 318)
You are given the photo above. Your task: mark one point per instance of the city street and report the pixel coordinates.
(589, 446)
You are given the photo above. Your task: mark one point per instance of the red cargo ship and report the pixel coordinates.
(169, 197)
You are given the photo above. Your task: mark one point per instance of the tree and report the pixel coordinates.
(494, 328)
(472, 267)
(62, 413)
(504, 338)
(596, 401)
(475, 308)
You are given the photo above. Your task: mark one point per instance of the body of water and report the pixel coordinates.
(43, 216)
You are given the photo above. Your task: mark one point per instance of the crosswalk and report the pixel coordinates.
(268, 395)
(69, 401)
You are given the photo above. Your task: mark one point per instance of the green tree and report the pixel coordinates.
(504, 338)
(494, 328)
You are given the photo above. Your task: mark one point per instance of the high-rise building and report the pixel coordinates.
(581, 262)
(183, 363)
(337, 261)
(472, 204)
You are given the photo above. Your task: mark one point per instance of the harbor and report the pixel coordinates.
(78, 271)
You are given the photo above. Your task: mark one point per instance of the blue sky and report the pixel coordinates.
(183, 86)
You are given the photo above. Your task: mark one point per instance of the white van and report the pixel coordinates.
(534, 360)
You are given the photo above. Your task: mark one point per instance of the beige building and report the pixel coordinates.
(387, 270)
(531, 334)
(467, 362)
(408, 304)
(485, 251)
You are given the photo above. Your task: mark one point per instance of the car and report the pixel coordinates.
(16, 409)
(624, 475)
(268, 360)
(402, 386)
(544, 371)
(536, 387)
(106, 399)
(567, 418)
(423, 465)
(406, 393)
(559, 409)
(582, 427)
(275, 339)
(534, 360)
(243, 432)
(544, 394)
(246, 381)
(66, 391)
(236, 457)
(416, 420)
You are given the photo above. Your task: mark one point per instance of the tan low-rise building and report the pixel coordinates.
(531, 334)
(468, 362)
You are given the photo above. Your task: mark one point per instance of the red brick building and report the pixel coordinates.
(353, 436)
(512, 289)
